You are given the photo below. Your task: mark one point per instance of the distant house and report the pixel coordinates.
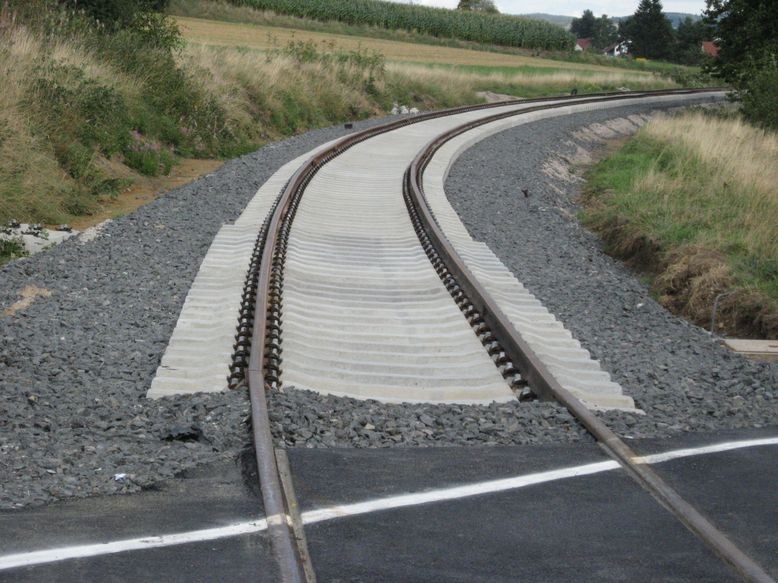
(709, 48)
(583, 44)
(618, 49)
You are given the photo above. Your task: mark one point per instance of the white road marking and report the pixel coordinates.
(675, 454)
(132, 544)
(455, 493)
(345, 510)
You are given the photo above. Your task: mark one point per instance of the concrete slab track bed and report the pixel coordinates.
(365, 314)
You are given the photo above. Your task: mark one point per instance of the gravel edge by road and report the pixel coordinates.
(677, 373)
(75, 365)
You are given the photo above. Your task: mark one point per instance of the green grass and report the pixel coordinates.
(690, 215)
(11, 249)
(668, 203)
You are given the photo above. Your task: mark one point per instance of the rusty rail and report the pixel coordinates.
(262, 368)
(542, 381)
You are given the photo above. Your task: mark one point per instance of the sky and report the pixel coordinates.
(576, 7)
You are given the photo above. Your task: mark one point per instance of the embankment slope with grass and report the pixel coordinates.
(693, 200)
(87, 110)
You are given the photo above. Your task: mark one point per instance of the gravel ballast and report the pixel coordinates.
(677, 373)
(75, 365)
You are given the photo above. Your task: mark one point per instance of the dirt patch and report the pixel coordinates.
(697, 283)
(29, 295)
(144, 189)
(490, 97)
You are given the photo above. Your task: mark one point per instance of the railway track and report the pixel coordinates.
(364, 283)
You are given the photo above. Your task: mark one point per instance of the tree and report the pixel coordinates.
(486, 6)
(650, 31)
(584, 27)
(605, 33)
(746, 32)
(689, 38)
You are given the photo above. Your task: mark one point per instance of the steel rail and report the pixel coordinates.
(263, 352)
(541, 379)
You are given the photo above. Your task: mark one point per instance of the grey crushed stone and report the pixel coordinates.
(75, 367)
(306, 419)
(676, 372)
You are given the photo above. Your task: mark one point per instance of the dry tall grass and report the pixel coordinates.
(702, 190)
(529, 83)
(32, 184)
(739, 185)
(268, 98)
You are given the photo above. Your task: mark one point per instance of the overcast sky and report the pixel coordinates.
(575, 7)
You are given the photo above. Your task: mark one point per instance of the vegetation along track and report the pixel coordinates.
(370, 312)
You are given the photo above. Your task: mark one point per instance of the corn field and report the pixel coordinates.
(439, 22)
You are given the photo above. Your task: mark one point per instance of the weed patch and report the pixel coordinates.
(11, 249)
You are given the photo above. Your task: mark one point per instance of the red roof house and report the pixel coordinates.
(709, 48)
(583, 44)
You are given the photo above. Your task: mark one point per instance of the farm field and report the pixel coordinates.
(263, 38)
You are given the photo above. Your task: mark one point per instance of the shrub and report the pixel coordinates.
(11, 249)
(759, 97)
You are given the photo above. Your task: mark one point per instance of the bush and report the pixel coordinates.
(116, 14)
(759, 97)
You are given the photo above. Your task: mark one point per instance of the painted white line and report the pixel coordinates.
(377, 505)
(132, 544)
(675, 454)
(455, 493)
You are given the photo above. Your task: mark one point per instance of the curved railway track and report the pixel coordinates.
(387, 298)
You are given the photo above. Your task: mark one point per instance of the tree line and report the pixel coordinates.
(648, 33)
(745, 33)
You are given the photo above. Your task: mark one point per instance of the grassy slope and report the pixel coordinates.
(64, 154)
(695, 198)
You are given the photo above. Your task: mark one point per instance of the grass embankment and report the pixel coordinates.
(694, 201)
(84, 115)
(80, 122)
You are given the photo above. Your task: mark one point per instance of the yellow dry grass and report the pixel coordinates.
(266, 98)
(694, 199)
(557, 80)
(231, 34)
(737, 157)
